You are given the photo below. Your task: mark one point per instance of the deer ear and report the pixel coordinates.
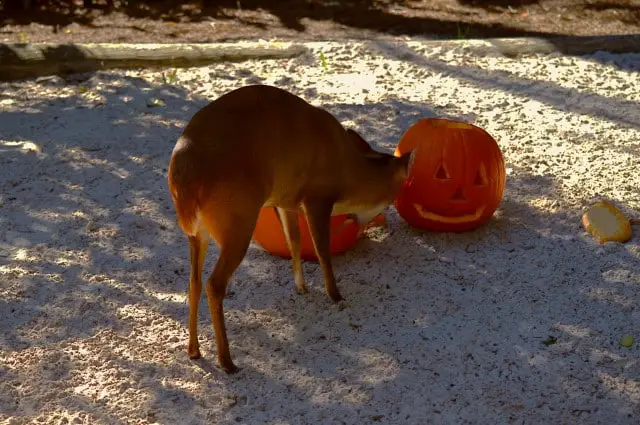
(407, 159)
(361, 144)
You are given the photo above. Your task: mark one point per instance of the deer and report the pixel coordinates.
(261, 146)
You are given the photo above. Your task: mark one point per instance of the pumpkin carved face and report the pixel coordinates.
(345, 232)
(457, 177)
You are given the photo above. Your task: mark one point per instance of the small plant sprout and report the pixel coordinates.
(463, 32)
(323, 61)
(170, 78)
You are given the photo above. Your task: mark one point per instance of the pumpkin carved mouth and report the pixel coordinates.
(444, 219)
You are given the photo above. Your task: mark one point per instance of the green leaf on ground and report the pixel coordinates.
(627, 341)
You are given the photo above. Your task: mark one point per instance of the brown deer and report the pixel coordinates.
(260, 146)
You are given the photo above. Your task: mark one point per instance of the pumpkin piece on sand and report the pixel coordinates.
(607, 223)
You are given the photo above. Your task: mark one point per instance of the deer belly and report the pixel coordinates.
(364, 213)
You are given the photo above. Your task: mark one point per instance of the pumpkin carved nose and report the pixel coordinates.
(442, 174)
(458, 196)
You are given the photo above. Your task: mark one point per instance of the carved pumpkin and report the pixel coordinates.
(345, 232)
(456, 179)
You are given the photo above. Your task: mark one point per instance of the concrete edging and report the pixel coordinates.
(19, 61)
(569, 45)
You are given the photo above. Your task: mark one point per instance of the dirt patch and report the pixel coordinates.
(202, 21)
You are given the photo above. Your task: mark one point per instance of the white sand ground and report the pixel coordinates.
(437, 329)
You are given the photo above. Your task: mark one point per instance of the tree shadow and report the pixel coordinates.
(52, 13)
(367, 15)
(83, 191)
(616, 110)
(450, 321)
(628, 12)
(373, 119)
(613, 5)
(501, 3)
(498, 5)
(435, 328)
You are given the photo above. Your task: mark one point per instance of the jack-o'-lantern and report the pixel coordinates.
(457, 177)
(345, 232)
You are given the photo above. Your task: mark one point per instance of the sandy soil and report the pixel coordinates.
(437, 328)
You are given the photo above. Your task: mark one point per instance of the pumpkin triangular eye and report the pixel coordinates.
(481, 177)
(442, 174)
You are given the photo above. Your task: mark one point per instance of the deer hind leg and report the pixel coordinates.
(232, 228)
(198, 246)
(289, 220)
(319, 218)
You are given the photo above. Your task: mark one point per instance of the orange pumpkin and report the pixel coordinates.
(345, 232)
(456, 179)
